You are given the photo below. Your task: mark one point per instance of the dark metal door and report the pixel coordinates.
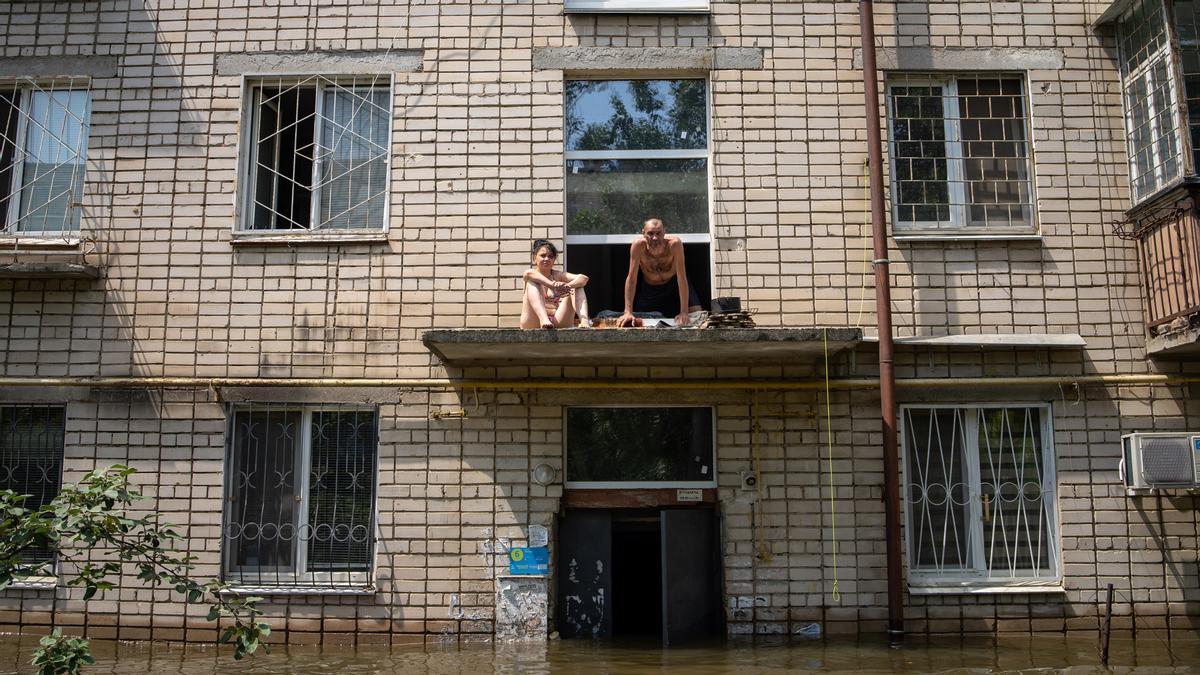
(689, 575)
(585, 574)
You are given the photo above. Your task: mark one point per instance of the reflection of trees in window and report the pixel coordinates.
(595, 122)
(639, 444)
(647, 146)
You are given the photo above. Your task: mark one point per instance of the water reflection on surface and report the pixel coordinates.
(1076, 655)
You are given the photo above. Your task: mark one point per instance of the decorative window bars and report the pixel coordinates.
(1151, 96)
(960, 153)
(317, 154)
(31, 457)
(43, 154)
(980, 494)
(300, 496)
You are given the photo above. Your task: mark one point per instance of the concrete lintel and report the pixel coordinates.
(965, 58)
(59, 66)
(359, 62)
(649, 59)
(48, 270)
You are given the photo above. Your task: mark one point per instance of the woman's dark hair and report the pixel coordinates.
(539, 243)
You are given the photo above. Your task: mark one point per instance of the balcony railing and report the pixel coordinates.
(1170, 265)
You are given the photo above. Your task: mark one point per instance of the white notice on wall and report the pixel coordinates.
(538, 536)
(689, 495)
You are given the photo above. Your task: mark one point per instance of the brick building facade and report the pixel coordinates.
(301, 293)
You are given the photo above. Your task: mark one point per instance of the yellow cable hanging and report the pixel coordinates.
(837, 595)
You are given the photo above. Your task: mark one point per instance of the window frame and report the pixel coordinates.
(977, 580)
(48, 579)
(630, 484)
(12, 210)
(1168, 54)
(636, 7)
(298, 579)
(244, 186)
(958, 227)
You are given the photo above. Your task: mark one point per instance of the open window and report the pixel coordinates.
(31, 458)
(43, 152)
(300, 497)
(635, 149)
(316, 154)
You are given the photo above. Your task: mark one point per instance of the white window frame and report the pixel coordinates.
(245, 185)
(632, 484)
(959, 223)
(26, 87)
(250, 578)
(976, 579)
(704, 153)
(636, 6)
(1144, 71)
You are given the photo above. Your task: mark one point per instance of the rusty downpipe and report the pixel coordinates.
(883, 310)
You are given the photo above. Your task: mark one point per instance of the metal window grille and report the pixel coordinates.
(980, 493)
(31, 455)
(636, 149)
(318, 154)
(1187, 30)
(43, 153)
(960, 153)
(300, 495)
(1151, 99)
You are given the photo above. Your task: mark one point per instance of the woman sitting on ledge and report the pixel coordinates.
(552, 298)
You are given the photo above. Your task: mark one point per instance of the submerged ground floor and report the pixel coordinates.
(382, 514)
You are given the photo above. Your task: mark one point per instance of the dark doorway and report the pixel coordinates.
(607, 264)
(637, 576)
(639, 573)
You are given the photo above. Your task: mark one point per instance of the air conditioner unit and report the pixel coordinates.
(1160, 460)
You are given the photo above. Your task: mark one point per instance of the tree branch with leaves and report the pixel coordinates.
(88, 529)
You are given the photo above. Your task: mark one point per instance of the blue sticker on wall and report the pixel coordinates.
(529, 560)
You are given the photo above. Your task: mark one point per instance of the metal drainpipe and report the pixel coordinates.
(883, 308)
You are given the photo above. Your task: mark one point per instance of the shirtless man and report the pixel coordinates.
(657, 280)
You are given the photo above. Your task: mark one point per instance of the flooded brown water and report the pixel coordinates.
(1076, 655)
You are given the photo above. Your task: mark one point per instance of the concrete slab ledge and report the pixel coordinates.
(59, 66)
(1176, 344)
(645, 346)
(359, 62)
(48, 270)
(998, 340)
(965, 59)
(646, 59)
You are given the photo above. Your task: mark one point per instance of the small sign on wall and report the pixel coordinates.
(689, 495)
(529, 560)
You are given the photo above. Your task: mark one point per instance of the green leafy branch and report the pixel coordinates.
(87, 528)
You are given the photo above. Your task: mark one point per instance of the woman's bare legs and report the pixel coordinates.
(533, 308)
(581, 308)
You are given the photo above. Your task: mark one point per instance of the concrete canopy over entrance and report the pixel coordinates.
(709, 346)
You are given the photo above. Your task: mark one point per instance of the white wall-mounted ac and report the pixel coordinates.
(1160, 460)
